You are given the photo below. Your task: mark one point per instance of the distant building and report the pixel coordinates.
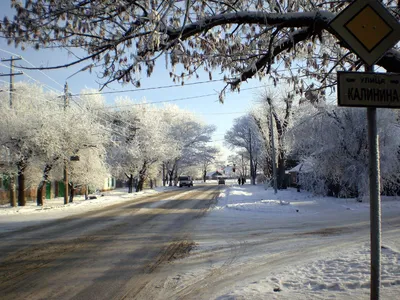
(213, 175)
(302, 169)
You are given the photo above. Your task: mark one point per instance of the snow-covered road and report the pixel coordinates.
(105, 253)
(250, 246)
(254, 244)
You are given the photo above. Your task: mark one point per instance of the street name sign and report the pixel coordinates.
(368, 28)
(369, 89)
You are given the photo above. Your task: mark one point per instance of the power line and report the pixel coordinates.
(182, 99)
(226, 113)
(78, 105)
(150, 88)
(164, 101)
(34, 67)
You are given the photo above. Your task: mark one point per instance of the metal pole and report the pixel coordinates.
(66, 181)
(13, 194)
(273, 151)
(375, 201)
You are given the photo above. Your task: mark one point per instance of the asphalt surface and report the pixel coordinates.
(110, 253)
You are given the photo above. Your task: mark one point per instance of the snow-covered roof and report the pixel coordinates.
(213, 173)
(303, 167)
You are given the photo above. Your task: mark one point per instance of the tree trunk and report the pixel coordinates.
(39, 193)
(71, 192)
(42, 184)
(130, 183)
(170, 174)
(254, 172)
(13, 200)
(176, 177)
(281, 171)
(21, 183)
(267, 167)
(142, 177)
(163, 174)
(86, 192)
(139, 186)
(204, 175)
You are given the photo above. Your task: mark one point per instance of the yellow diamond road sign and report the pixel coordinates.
(367, 28)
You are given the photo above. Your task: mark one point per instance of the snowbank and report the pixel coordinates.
(271, 246)
(12, 218)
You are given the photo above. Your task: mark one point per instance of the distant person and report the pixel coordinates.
(243, 180)
(239, 180)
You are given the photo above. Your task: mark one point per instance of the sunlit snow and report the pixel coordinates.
(244, 249)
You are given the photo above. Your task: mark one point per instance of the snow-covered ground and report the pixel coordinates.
(12, 218)
(254, 244)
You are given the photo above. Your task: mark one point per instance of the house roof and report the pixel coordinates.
(303, 167)
(214, 173)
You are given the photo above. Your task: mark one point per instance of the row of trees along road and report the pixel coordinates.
(251, 135)
(38, 134)
(330, 142)
(241, 39)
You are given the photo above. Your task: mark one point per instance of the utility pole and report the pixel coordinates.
(251, 161)
(13, 200)
(66, 181)
(11, 74)
(273, 150)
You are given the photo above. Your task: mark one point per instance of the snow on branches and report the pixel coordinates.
(243, 39)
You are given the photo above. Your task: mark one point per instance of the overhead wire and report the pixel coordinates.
(55, 89)
(137, 90)
(150, 88)
(40, 71)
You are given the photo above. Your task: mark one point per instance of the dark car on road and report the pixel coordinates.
(185, 181)
(221, 180)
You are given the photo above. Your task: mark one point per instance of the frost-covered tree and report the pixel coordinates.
(244, 135)
(333, 144)
(278, 109)
(206, 157)
(241, 38)
(90, 171)
(139, 141)
(40, 134)
(29, 130)
(85, 137)
(189, 137)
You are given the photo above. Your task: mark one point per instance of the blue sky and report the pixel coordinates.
(208, 108)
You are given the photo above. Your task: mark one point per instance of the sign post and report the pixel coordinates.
(375, 200)
(369, 30)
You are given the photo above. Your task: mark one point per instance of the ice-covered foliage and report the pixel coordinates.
(333, 143)
(40, 133)
(245, 136)
(242, 39)
(139, 139)
(30, 126)
(189, 138)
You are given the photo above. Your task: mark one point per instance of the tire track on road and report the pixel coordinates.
(32, 263)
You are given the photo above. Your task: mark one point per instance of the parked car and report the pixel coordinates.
(221, 181)
(185, 181)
